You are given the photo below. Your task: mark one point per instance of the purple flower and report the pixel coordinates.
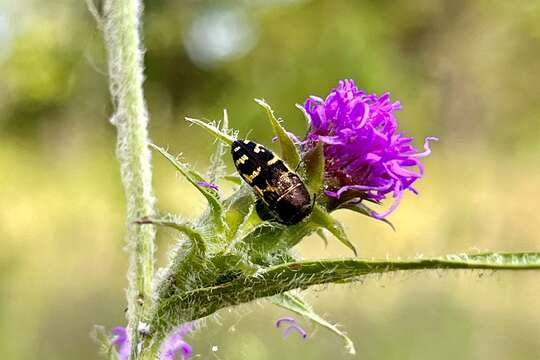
(172, 346)
(365, 157)
(175, 344)
(291, 325)
(121, 342)
(208, 185)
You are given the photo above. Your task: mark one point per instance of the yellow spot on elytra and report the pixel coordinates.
(249, 178)
(270, 188)
(273, 160)
(258, 148)
(241, 160)
(258, 190)
(237, 148)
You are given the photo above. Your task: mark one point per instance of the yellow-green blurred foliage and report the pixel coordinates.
(465, 71)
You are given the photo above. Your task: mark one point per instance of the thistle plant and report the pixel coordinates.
(353, 157)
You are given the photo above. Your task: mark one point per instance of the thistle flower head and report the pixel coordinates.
(366, 158)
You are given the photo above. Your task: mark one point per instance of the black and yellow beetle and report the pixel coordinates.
(282, 194)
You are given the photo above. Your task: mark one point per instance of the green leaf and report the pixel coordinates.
(314, 164)
(229, 266)
(268, 237)
(348, 270)
(184, 227)
(302, 274)
(296, 304)
(226, 138)
(364, 210)
(238, 208)
(322, 218)
(216, 209)
(289, 151)
(217, 165)
(262, 241)
(500, 260)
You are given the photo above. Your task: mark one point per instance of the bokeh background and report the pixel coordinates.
(465, 71)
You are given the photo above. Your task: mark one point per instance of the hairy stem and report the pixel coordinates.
(121, 26)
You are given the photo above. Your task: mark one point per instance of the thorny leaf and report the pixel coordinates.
(217, 165)
(228, 139)
(288, 276)
(314, 165)
(289, 151)
(320, 217)
(262, 241)
(216, 209)
(238, 208)
(363, 209)
(184, 227)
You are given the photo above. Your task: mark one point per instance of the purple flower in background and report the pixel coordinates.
(208, 185)
(365, 157)
(175, 344)
(291, 325)
(121, 342)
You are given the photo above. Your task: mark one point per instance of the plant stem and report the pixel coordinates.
(121, 26)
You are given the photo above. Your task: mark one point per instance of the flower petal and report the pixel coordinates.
(175, 344)
(296, 328)
(363, 149)
(427, 149)
(121, 342)
(392, 208)
(292, 325)
(208, 185)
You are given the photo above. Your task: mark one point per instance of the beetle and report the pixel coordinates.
(282, 194)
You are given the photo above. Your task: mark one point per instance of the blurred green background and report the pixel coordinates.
(465, 71)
